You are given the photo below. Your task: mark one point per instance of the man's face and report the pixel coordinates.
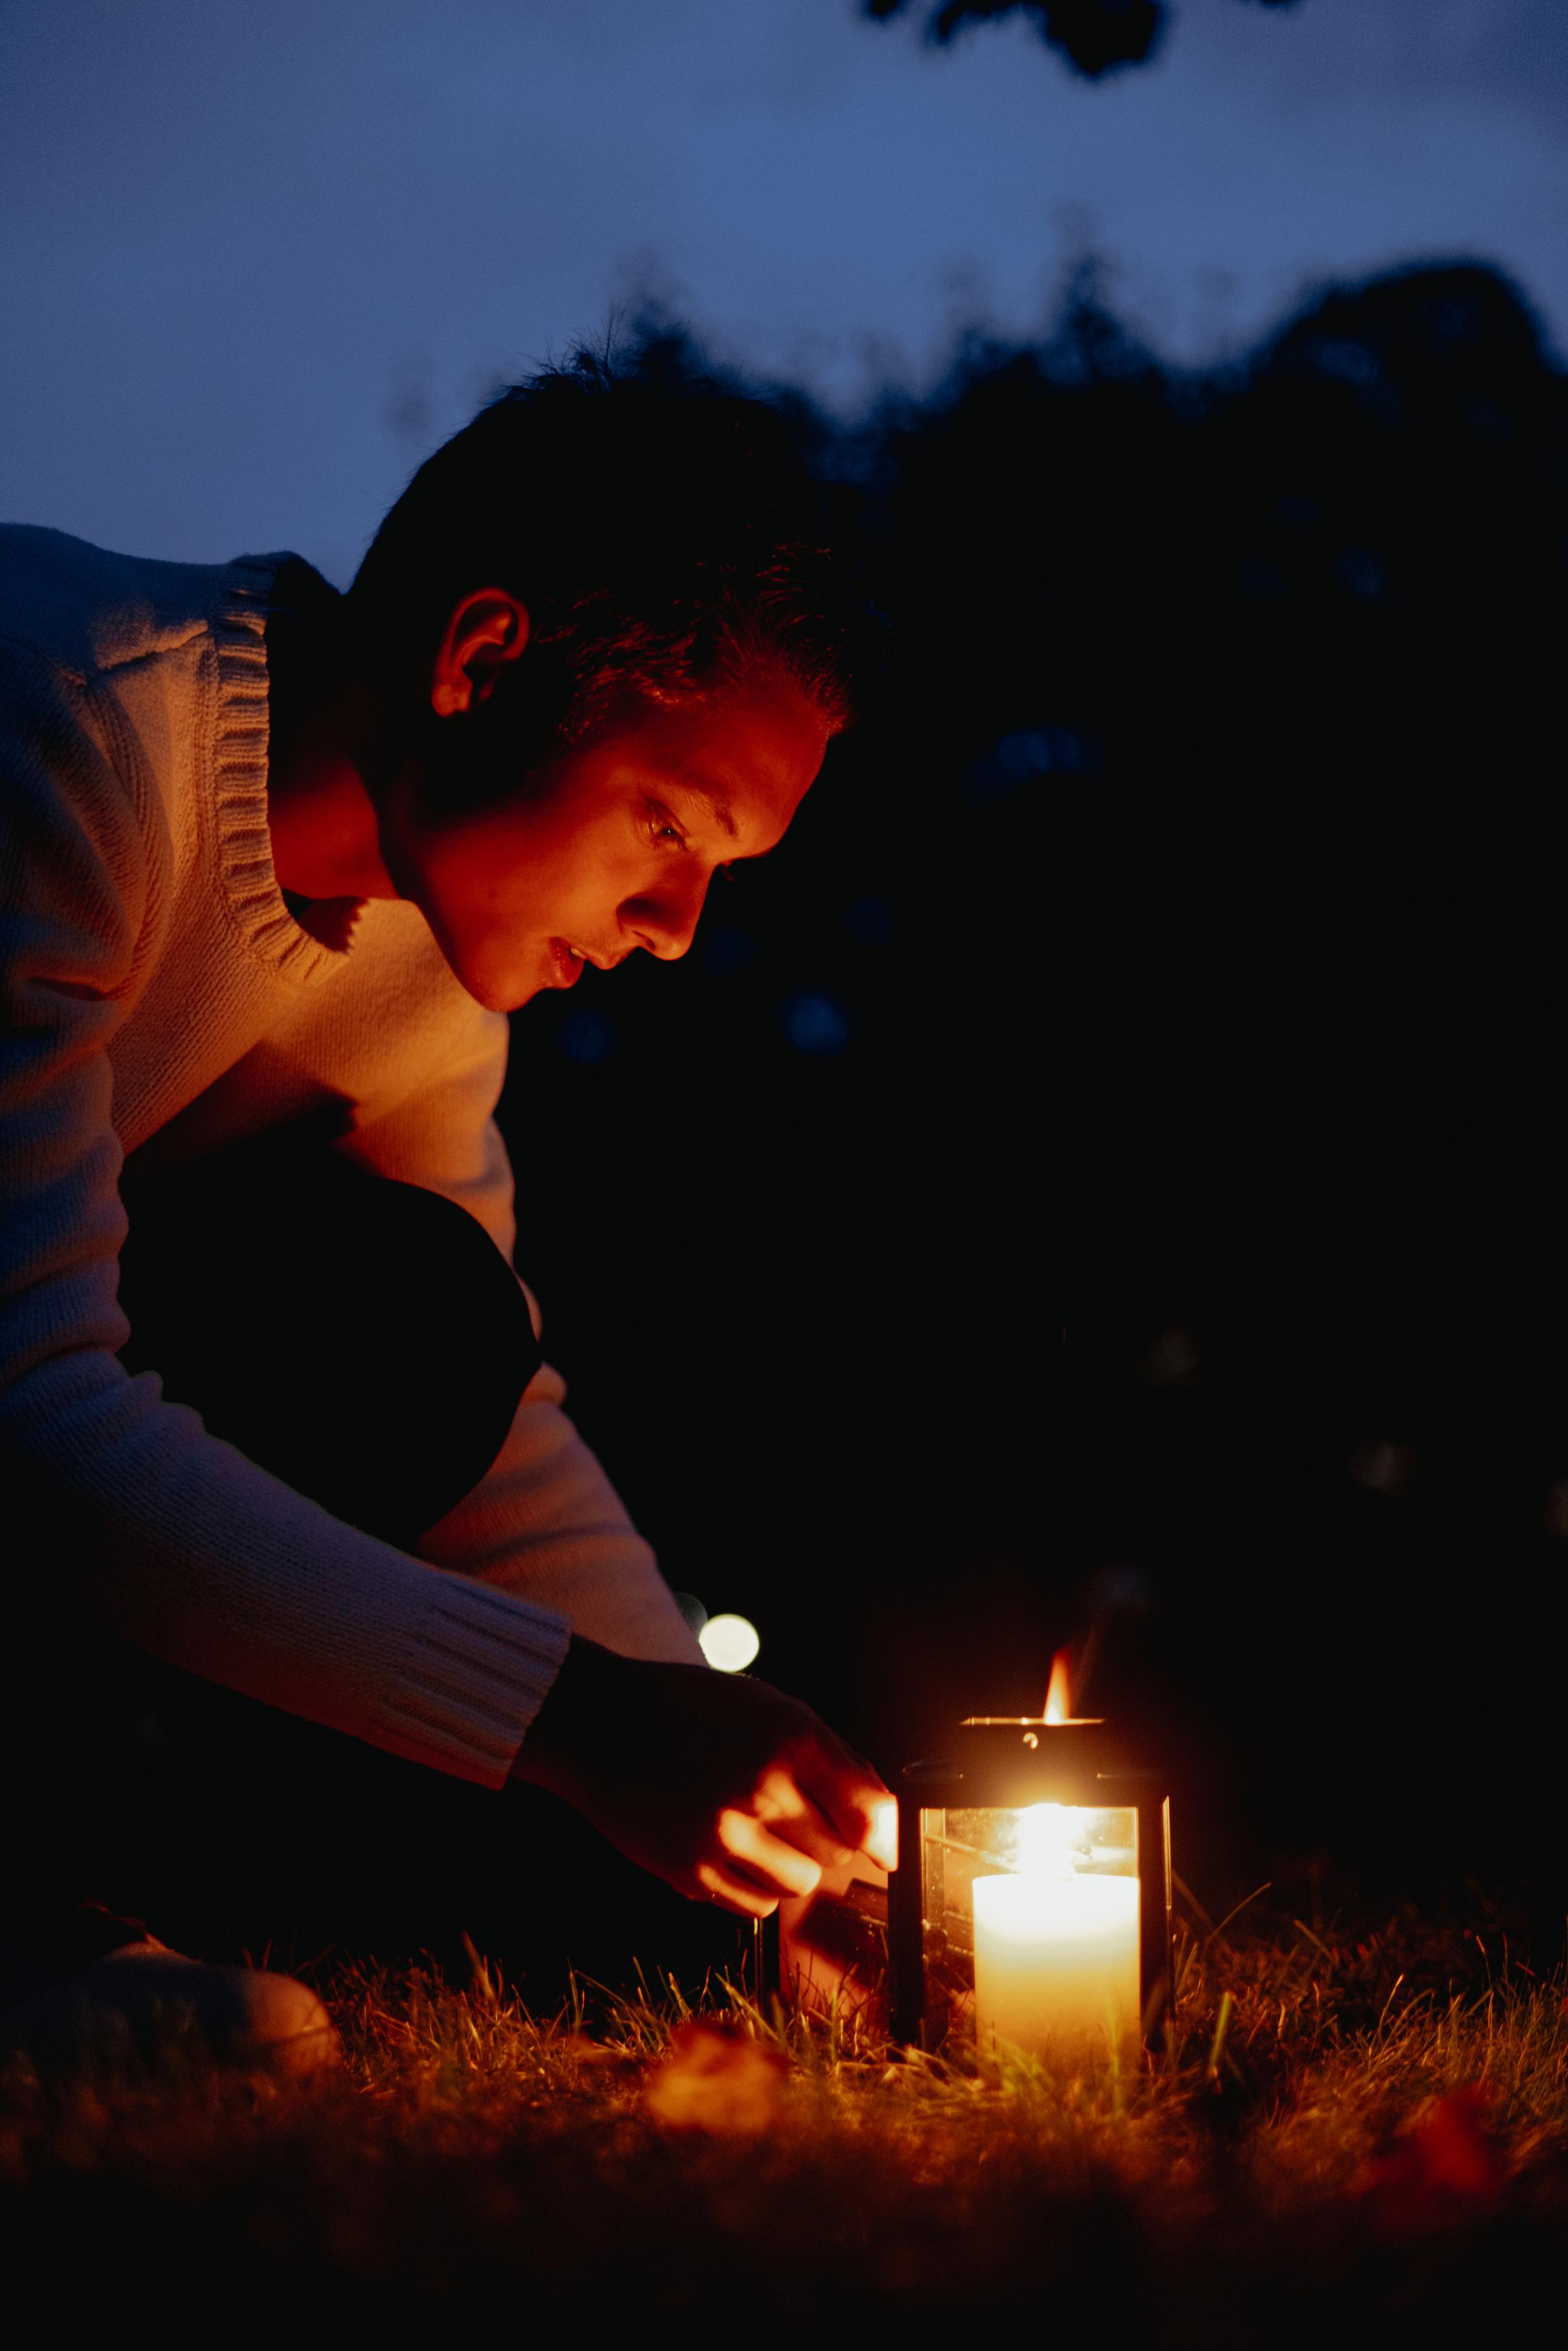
(616, 849)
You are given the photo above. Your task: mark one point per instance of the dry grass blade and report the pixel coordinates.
(1334, 2115)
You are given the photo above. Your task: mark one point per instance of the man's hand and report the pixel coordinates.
(728, 1790)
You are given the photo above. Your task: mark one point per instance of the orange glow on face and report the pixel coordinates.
(1059, 1696)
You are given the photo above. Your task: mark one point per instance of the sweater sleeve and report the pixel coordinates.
(143, 1523)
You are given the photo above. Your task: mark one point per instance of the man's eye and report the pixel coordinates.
(662, 827)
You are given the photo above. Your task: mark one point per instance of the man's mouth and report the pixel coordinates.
(567, 961)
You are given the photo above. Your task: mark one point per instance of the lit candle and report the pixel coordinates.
(1056, 1948)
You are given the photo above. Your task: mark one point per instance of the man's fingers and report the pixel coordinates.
(778, 1863)
(782, 1806)
(882, 1845)
(854, 1799)
(811, 1834)
(731, 1890)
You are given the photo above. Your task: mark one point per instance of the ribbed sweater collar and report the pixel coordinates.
(241, 841)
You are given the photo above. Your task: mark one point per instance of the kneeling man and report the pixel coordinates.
(275, 865)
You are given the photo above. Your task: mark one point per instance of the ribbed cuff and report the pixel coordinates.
(475, 1672)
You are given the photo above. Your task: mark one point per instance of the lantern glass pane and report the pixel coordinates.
(959, 1845)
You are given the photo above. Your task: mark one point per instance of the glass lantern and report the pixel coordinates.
(1031, 1906)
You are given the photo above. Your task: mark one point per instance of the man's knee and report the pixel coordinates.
(363, 1340)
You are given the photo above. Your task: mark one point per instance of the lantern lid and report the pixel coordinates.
(1027, 1722)
(1013, 1760)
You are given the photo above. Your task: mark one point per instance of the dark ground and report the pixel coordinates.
(1354, 2130)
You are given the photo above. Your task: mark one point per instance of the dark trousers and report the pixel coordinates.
(364, 1341)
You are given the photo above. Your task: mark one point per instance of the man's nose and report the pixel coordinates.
(666, 923)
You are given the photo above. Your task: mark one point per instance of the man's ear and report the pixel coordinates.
(484, 632)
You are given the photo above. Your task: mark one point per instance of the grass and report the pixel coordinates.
(1362, 2132)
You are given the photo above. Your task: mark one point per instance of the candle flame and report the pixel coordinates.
(1059, 1696)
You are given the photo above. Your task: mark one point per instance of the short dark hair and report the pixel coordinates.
(661, 526)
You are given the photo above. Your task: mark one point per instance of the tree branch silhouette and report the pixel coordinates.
(1095, 37)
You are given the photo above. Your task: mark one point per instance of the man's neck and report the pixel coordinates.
(325, 841)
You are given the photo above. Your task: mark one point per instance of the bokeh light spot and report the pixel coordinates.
(1382, 1468)
(730, 1644)
(1172, 1358)
(815, 1024)
(1029, 753)
(1360, 574)
(1119, 1586)
(585, 1035)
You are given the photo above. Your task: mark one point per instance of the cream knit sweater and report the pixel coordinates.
(153, 982)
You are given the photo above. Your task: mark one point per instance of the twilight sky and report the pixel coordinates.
(256, 261)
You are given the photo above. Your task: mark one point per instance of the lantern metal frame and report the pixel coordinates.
(1007, 1763)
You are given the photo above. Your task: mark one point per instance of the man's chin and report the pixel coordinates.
(499, 988)
(495, 991)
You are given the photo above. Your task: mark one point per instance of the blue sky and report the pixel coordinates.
(254, 262)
